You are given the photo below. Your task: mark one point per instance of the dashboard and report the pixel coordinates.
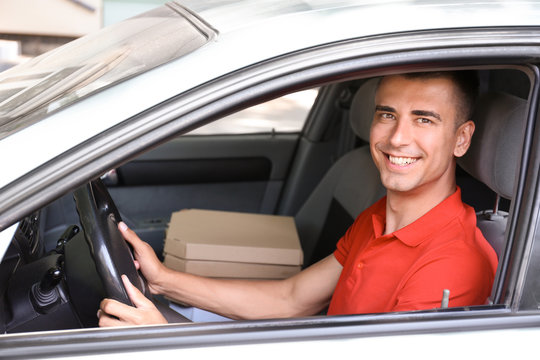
(47, 290)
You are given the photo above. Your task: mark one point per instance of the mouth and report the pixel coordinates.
(401, 160)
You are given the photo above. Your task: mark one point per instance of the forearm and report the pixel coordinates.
(236, 299)
(231, 298)
(304, 294)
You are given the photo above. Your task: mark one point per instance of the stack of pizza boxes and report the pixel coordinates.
(223, 244)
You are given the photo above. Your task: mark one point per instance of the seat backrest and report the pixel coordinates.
(494, 155)
(351, 185)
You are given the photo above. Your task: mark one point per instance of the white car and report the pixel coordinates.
(122, 105)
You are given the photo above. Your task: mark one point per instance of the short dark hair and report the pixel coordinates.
(467, 84)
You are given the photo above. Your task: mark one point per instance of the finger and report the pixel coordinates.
(105, 320)
(114, 313)
(147, 313)
(128, 234)
(135, 295)
(132, 238)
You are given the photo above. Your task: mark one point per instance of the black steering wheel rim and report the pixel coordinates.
(112, 255)
(99, 219)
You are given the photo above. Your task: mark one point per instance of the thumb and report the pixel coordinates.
(128, 234)
(135, 295)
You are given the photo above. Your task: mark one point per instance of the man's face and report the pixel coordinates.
(414, 136)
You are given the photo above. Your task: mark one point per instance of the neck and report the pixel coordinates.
(403, 208)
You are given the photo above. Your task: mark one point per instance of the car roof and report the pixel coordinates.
(248, 32)
(230, 14)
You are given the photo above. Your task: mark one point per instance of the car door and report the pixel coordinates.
(512, 320)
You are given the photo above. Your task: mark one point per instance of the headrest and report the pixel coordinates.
(496, 146)
(363, 108)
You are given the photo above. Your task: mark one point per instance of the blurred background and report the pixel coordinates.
(31, 27)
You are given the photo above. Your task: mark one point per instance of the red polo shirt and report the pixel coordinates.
(410, 268)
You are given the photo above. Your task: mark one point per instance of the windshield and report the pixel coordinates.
(32, 90)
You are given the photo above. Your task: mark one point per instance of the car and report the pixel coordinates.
(109, 120)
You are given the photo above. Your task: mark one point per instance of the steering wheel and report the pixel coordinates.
(99, 219)
(112, 255)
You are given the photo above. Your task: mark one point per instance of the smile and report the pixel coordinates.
(401, 161)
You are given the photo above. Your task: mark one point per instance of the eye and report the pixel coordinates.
(387, 116)
(424, 121)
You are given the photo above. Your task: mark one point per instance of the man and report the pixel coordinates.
(400, 254)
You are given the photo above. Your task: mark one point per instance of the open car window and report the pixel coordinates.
(181, 175)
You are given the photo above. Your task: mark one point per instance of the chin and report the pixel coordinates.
(398, 183)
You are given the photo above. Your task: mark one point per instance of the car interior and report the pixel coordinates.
(323, 176)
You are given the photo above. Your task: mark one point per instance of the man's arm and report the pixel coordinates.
(306, 293)
(303, 294)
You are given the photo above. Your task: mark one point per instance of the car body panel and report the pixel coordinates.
(244, 339)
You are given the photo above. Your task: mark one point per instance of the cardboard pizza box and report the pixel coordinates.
(224, 236)
(231, 270)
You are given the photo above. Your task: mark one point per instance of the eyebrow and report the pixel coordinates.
(384, 108)
(427, 113)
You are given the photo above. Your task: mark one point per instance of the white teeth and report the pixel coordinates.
(401, 161)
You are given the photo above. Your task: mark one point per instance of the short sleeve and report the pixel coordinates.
(343, 248)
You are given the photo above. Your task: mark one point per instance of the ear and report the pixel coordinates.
(464, 135)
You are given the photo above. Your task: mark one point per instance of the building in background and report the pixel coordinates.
(29, 28)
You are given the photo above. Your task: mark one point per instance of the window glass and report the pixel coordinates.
(32, 90)
(286, 114)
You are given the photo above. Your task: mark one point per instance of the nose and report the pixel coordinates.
(401, 134)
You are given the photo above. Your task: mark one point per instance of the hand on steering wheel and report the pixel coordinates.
(99, 218)
(114, 313)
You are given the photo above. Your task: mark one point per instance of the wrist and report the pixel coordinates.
(161, 283)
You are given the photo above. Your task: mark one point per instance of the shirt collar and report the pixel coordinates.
(424, 227)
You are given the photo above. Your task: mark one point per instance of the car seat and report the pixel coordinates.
(494, 156)
(350, 186)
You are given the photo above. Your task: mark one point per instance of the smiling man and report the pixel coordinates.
(400, 254)
(420, 239)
